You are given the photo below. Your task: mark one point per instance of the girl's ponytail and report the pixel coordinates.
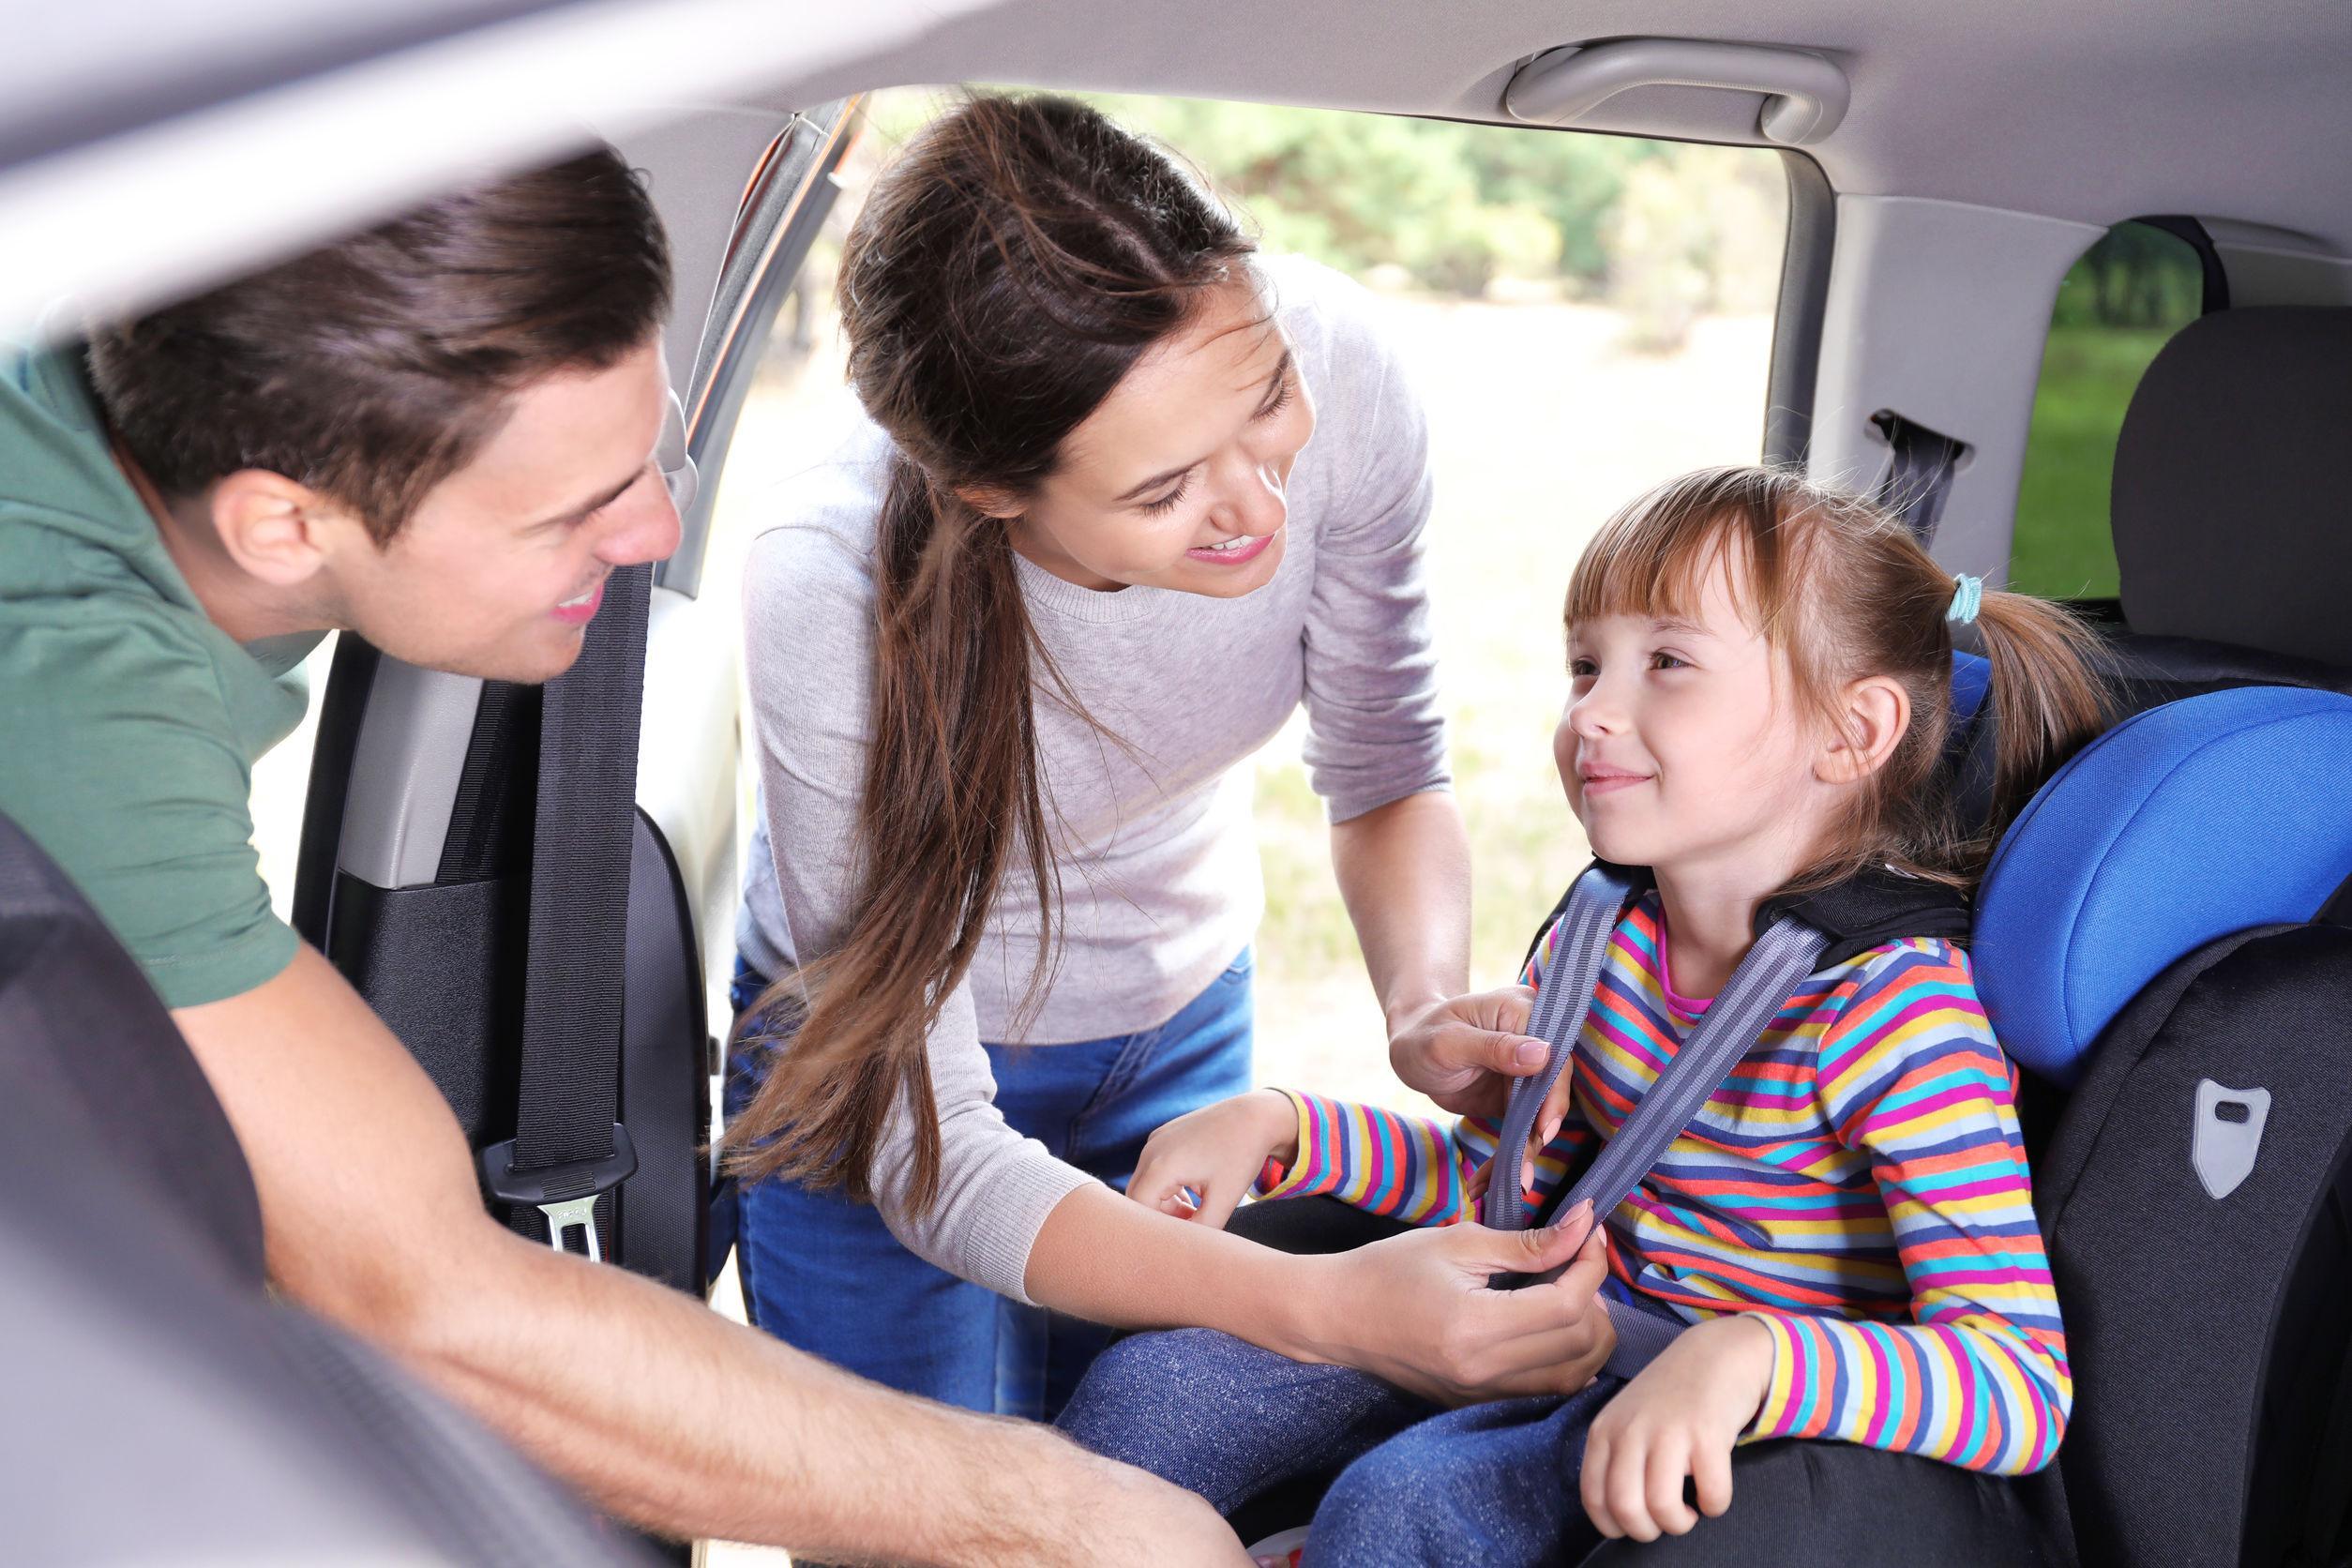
(2047, 695)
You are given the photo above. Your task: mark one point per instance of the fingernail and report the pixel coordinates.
(1531, 1053)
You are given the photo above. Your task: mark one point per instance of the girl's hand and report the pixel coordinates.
(1217, 1152)
(1678, 1418)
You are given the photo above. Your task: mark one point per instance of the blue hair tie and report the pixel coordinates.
(1968, 593)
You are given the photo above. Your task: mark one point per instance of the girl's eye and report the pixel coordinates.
(1168, 502)
(1281, 401)
(1582, 669)
(1666, 661)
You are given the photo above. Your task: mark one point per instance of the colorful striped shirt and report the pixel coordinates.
(1857, 1184)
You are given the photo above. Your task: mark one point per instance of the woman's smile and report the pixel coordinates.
(1234, 551)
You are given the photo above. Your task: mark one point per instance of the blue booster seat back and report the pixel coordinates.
(2160, 932)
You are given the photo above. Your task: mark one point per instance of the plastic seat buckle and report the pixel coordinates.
(566, 1194)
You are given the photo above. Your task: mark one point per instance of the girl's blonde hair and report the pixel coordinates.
(1844, 591)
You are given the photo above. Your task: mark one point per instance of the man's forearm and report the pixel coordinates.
(656, 1406)
(686, 1423)
(1404, 872)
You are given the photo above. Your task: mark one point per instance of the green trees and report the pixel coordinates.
(1664, 230)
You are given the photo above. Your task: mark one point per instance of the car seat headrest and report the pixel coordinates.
(2228, 484)
(1972, 676)
(2181, 824)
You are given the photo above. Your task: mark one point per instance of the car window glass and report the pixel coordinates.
(2129, 294)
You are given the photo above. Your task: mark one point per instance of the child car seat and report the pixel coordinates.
(159, 1407)
(2164, 931)
(2168, 943)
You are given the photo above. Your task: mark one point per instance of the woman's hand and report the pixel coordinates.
(1217, 1152)
(1680, 1417)
(1416, 1310)
(1463, 1053)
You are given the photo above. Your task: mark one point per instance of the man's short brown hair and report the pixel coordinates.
(372, 369)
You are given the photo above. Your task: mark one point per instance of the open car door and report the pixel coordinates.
(528, 887)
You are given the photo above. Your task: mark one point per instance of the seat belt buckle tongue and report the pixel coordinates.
(566, 1194)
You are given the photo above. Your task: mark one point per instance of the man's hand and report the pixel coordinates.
(1141, 1518)
(1418, 1311)
(1681, 1417)
(1464, 1053)
(1217, 1153)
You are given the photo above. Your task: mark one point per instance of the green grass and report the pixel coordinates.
(2062, 547)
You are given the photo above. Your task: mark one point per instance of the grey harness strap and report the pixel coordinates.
(1758, 989)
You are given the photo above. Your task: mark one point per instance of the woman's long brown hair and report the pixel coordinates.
(1010, 267)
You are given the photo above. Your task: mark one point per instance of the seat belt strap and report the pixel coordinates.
(569, 1150)
(1919, 479)
(1588, 918)
(1774, 967)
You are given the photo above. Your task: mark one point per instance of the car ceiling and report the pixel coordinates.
(2080, 109)
(2077, 109)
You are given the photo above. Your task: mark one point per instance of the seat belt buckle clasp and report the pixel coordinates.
(566, 1194)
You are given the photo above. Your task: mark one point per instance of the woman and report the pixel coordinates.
(1009, 652)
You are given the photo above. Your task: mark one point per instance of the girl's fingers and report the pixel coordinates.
(1710, 1469)
(1218, 1200)
(1592, 1485)
(1670, 1462)
(1628, 1488)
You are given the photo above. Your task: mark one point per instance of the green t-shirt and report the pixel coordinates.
(128, 721)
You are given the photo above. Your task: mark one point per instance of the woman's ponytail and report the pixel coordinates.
(1006, 272)
(952, 765)
(2047, 693)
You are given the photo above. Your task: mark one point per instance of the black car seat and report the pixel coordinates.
(2224, 483)
(2164, 933)
(158, 1406)
(2228, 503)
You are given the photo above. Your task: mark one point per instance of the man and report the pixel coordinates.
(438, 434)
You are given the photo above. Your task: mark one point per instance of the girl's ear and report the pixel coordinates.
(1874, 712)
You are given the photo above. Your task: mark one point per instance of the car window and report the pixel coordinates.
(2129, 293)
(1582, 315)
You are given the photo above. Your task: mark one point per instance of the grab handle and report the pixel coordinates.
(1804, 95)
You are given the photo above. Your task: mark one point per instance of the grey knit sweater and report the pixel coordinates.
(1158, 859)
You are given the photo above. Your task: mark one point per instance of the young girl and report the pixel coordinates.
(1760, 696)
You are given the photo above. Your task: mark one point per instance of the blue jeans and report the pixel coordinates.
(1485, 1487)
(823, 1274)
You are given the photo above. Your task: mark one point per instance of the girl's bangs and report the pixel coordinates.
(1652, 559)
